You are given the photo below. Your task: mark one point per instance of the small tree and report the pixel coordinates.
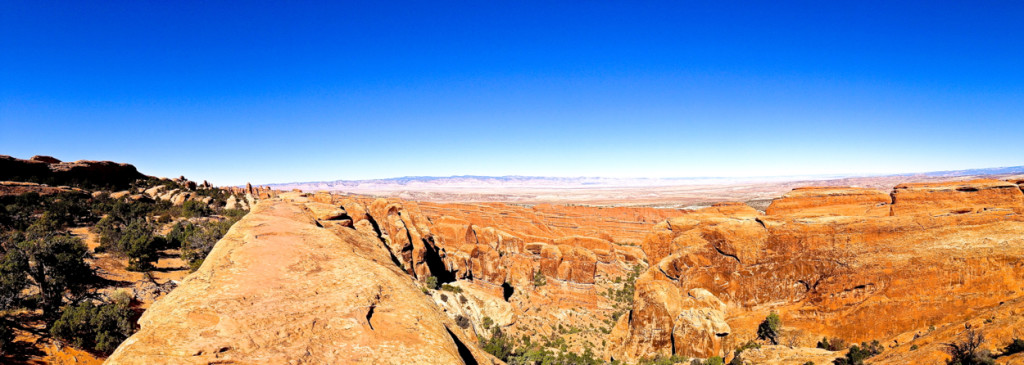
(56, 263)
(769, 328)
(967, 351)
(140, 245)
(432, 282)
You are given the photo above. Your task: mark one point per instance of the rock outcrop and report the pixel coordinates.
(830, 201)
(48, 170)
(279, 289)
(957, 198)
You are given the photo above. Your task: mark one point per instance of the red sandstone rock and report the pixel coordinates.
(44, 159)
(957, 197)
(278, 289)
(829, 275)
(831, 201)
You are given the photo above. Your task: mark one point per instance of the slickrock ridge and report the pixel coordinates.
(279, 288)
(829, 201)
(832, 264)
(957, 197)
(48, 170)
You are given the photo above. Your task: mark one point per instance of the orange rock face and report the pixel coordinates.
(837, 269)
(852, 263)
(828, 201)
(957, 198)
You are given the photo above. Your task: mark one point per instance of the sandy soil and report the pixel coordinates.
(34, 346)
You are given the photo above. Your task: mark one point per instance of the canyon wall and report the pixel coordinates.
(355, 272)
(852, 263)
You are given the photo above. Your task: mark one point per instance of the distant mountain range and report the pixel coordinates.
(544, 182)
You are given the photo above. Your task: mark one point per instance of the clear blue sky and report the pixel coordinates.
(301, 91)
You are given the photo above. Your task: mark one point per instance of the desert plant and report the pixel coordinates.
(99, 328)
(769, 328)
(1015, 346)
(968, 350)
(6, 335)
(139, 244)
(56, 264)
(499, 345)
(714, 360)
(462, 321)
(539, 279)
(834, 344)
(451, 288)
(857, 354)
(195, 208)
(432, 282)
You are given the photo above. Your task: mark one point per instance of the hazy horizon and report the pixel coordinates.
(326, 91)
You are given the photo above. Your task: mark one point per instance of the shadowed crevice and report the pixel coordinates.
(464, 353)
(369, 314)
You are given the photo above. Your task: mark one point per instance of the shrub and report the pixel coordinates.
(967, 351)
(13, 266)
(100, 328)
(769, 328)
(139, 244)
(451, 288)
(462, 321)
(488, 322)
(714, 360)
(749, 345)
(197, 240)
(539, 279)
(432, 282)
(835, 344)
(857, 354)
(499, 345)
(664, 360)
(1016, 346)
(913, 347)
(195, 209)
(6, 335)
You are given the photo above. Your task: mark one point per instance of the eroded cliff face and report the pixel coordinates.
(842, 262)
(331, 278)
(286, 286)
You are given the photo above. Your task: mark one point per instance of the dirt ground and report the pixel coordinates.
(33, 345)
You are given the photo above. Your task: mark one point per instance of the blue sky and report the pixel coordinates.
(302, 91)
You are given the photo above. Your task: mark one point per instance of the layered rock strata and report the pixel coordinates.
(845, 262)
